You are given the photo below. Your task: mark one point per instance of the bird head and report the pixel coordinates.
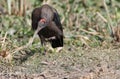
(42, 23)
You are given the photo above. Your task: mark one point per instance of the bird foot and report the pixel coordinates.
(59, 49)
(56, 49)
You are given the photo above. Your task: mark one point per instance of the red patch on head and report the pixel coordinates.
(42, 20)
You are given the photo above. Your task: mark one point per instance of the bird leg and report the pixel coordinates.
(42, 39)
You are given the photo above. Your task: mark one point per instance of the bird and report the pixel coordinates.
(48, 20)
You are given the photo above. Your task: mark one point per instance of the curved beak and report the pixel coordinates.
(41, 25)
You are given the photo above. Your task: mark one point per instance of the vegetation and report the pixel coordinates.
(87, 24)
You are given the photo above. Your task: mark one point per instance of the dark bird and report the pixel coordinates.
(47, 18)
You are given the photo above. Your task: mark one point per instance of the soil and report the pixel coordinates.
(70, 63)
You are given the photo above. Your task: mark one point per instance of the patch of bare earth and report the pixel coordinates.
(74, 63)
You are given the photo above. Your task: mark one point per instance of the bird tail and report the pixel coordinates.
(57, 42)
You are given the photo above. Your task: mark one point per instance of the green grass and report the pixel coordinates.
(82, 26)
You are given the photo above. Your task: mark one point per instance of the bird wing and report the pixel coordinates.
(56, 19)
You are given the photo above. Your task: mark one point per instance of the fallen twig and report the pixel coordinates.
(3, 42)
(98, 13)
(109, 19)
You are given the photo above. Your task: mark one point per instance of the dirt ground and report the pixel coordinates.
(72, 63)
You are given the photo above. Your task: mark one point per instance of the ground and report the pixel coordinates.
(76, 63)
(91, 41)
